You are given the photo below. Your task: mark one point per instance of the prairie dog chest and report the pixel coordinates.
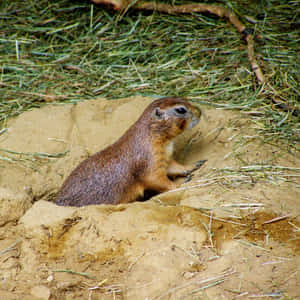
(169, 149)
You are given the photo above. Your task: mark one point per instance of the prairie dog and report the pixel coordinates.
(139, 160)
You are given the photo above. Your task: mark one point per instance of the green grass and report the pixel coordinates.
(70, 51)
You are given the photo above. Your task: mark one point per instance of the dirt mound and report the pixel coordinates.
(232, 231)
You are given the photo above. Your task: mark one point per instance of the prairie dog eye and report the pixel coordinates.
(181, 110)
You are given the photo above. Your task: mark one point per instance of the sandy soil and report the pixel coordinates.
(216, 237)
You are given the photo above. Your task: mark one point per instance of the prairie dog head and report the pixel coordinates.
(172, 116)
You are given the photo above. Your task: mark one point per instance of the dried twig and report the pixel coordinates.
(277, 219)
(11, 247)
(219, 11)
(73, 272)
(215, 10)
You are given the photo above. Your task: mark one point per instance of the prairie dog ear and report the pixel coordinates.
(158, 113)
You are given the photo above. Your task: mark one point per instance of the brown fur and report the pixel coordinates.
(140, 160)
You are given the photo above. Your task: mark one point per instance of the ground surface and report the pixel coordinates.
(216, 237)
